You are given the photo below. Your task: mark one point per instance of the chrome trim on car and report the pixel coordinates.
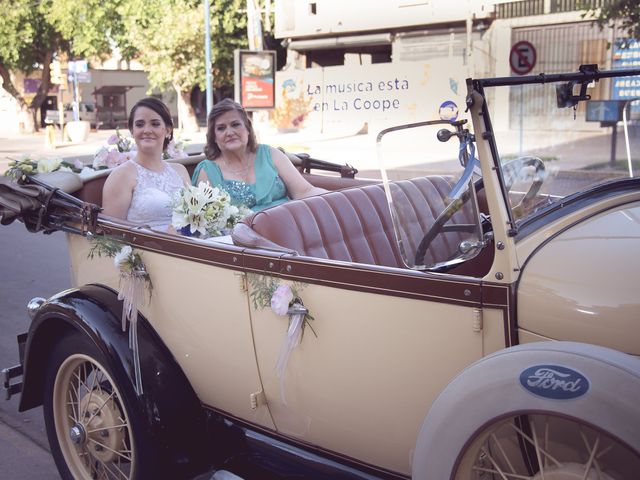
(34, 305)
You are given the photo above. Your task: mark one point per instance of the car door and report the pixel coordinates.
(198, 306)
(363, 385)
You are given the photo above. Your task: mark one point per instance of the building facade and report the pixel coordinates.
(106, 88)
(359, 64)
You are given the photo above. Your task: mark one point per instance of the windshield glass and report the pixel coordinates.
(428, 169)
(551, 146)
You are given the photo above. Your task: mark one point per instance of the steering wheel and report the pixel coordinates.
(513, 170)
(439, 226)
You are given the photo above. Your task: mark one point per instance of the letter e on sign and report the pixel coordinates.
(522, 58)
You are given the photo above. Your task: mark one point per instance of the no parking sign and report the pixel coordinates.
(522, 58)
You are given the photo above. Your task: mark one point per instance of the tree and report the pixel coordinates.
(93, 27)
(624, 13)
(28, 43)
(169, 34)
(34, 33)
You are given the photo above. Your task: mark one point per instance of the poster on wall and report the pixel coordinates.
(255, 78)
(369, 98)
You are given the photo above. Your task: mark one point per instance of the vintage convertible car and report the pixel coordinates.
(475, 312)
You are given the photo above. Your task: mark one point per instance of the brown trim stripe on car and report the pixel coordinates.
(351, 276)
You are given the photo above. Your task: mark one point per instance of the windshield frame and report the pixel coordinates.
(462, 195)
(586, 75)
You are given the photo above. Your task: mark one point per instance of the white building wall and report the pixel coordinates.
(8, 113)
(296, 18)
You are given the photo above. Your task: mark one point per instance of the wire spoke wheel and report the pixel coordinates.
(91, 423)
(546, 447)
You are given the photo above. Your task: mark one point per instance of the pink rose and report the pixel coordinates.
(281, 299)
(77, 163)
(113, 139)
(113, 159)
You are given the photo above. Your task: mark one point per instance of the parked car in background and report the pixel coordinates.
(86, 111)
(473, 315)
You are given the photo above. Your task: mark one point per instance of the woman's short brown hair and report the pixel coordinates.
(211, 149)
(161, 109)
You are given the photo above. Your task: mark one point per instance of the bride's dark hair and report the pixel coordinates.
(211, 149)
(161, 109)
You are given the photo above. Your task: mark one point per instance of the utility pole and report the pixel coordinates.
(207, 55)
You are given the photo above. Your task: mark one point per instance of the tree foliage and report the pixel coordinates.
(34, 33)
(169, 35)
(93, 27)
(28, 43)
(166, 36)
(622, 13)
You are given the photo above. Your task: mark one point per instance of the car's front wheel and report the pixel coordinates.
(90, 425)
(538, 411)
(543, 446)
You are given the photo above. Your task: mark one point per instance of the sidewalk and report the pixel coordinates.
(414, 149)
(357, 150)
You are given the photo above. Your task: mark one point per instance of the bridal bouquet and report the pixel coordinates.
(205, 211)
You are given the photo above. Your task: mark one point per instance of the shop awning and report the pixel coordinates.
(114, 89)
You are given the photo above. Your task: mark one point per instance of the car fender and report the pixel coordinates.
(493, 388)
(173, 412)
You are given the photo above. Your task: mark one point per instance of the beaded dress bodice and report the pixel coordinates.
(153, 194)
(267, 191)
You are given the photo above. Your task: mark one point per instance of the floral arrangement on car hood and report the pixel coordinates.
(205, 211)
(29, 165)
(121, 148)
(284, 299)
(134, 280)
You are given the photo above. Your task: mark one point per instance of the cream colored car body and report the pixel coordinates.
(372, 352)
(563, 294)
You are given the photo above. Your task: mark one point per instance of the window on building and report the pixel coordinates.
(351, 55)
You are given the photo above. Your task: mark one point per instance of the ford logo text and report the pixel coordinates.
(554, 381)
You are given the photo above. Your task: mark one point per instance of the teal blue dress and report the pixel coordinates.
(268, 191)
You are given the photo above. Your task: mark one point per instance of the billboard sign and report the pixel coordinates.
(255, 78)
(626, 56)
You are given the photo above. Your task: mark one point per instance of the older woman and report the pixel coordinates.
(255, 175)
(141, 190)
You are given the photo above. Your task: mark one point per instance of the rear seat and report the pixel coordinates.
(354, 225)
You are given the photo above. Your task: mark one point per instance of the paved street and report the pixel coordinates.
(25, 457)
(32, 265)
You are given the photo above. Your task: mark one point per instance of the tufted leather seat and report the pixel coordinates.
(355, 225)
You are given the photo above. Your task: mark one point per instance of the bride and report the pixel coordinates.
(141, 190)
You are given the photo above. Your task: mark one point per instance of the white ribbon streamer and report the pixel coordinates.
(132, 288)
(297, 313)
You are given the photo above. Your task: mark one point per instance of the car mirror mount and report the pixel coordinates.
(565, 97)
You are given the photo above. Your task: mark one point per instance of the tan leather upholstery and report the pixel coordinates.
(355, 225)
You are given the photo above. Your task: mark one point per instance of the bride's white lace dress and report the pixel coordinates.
(152, 196)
